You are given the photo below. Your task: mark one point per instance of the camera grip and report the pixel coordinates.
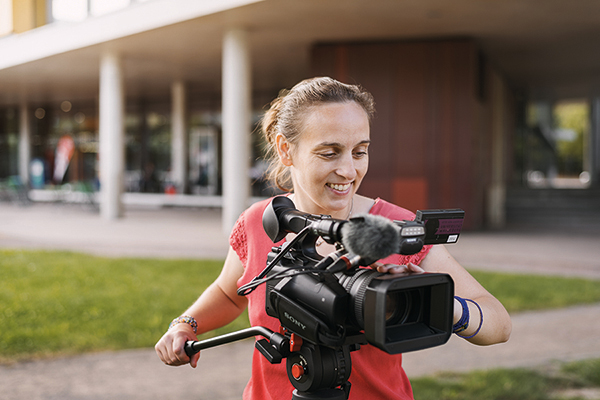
(192, 347)
(189, 348)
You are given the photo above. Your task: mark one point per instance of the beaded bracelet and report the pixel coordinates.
(185, 319)
(480, 321)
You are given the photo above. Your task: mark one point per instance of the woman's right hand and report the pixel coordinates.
(170, 347)
(397, 269)
(217, 306)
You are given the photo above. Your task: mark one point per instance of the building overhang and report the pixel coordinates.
(546, 48)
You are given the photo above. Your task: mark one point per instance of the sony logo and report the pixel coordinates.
(294, 320)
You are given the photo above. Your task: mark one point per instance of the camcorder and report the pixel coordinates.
(328, 306)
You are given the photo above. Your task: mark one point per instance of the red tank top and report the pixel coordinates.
(375, 374)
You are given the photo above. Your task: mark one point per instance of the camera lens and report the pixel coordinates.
(395, 307)
(356, 284)
(399, 313)
(402, 307)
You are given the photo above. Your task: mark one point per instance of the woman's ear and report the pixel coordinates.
(283, 150)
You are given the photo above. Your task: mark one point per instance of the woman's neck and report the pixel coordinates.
(345, 213)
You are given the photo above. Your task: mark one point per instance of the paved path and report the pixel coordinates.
(538, 337)
(197, 233)
(145, 232)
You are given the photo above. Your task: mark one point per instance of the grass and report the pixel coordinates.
(558, 381)
(536, 292)
(67, 303)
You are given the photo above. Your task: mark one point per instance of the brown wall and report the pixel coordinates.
(431, 131)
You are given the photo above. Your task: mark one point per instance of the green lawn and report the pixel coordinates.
(537, 292)
(67, 303)
(571, 381)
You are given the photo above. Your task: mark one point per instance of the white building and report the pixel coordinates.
(162, 95)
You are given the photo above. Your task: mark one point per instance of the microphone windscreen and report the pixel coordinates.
(372, 237)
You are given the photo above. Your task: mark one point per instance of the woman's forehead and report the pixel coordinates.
(336, 123)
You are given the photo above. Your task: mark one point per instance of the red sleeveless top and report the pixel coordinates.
(375, 374)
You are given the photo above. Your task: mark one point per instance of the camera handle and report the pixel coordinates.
(274, 349)
(321, 371)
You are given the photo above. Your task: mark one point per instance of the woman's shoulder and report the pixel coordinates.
(259, 206)
(251, 218)
(249, 227)
(390, 210)
(257, 209)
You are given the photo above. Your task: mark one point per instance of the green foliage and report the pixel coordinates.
(566, 150)
(59, 302)
(536, 292)
(510, 384)
(515, 384)
(573, 116)
(68, 303)
(583, 373)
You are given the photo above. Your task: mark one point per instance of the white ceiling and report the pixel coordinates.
(547, 47)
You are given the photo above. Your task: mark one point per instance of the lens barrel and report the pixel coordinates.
(410, 312)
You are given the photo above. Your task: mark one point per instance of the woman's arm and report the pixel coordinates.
(217, 306)
(496, 327)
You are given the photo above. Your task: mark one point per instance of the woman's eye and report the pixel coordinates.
(360, 154)
(327, 155)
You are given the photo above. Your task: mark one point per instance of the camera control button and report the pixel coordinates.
(297, 371)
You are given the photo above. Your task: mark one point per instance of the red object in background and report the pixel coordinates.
(64, 153)
(170, 189)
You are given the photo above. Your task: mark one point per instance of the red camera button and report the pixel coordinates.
(297, 371)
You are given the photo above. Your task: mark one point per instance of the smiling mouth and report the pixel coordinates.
(339, 187)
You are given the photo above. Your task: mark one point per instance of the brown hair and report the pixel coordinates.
(286, 114)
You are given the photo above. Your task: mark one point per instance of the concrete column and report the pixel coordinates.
(236, 125)
(49, 15)
(112, 134)
(594, 154)
(496, 193)
(24, 143)
(179, 145)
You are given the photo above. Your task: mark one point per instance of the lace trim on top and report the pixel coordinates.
(238, 241)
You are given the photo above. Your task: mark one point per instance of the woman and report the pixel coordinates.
(319, 135)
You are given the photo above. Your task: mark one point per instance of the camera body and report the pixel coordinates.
(397, 313)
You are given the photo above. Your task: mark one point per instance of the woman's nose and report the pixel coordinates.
(346, 168)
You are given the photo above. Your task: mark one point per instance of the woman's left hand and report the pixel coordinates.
(397, 269)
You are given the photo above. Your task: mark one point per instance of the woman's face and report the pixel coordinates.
(330, 158)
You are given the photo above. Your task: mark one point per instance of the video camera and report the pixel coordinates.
(326, 300)
(330, 306)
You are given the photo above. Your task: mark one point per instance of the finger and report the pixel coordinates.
(397, 269)
(160, 354)
(392, 269)
(383, 268)
(179, 351)
(171, 357)
(415, 268)
(376, 265)
(165, 353)
(194, 360)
